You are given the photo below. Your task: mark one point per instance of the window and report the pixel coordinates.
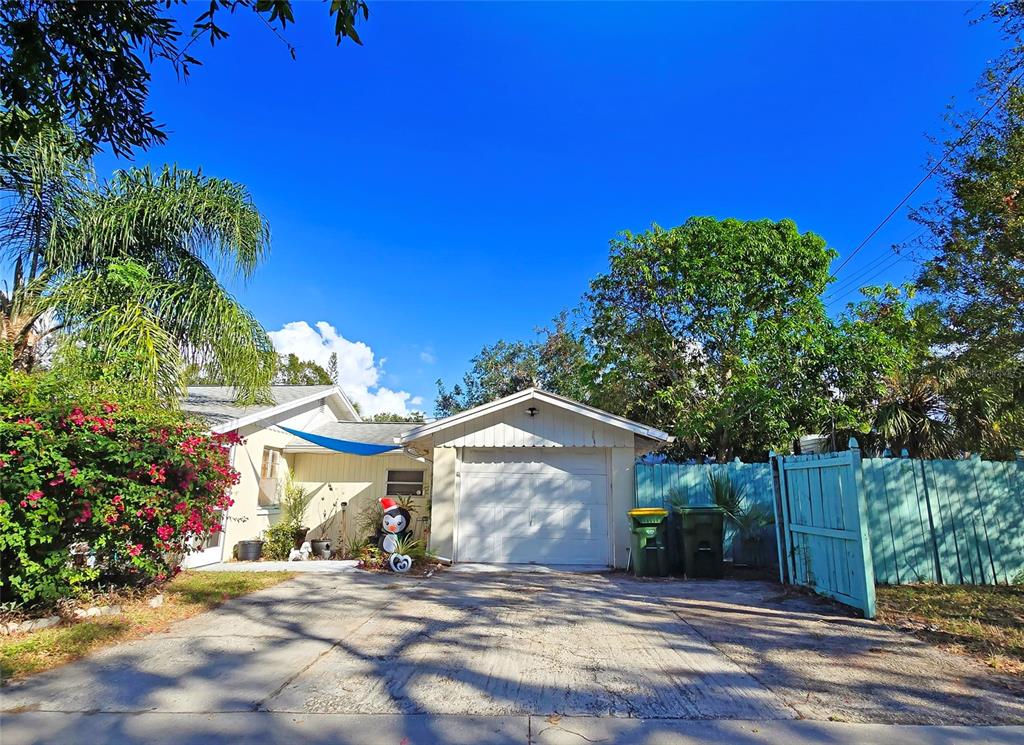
(271, 463)
(405, 483)
(270, 473)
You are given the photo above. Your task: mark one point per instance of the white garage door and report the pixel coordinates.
(533, 506)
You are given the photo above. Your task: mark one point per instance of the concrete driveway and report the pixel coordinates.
(516, 658)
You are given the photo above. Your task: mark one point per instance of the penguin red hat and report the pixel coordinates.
(389, 505)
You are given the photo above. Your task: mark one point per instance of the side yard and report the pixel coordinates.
(983, 621)
(188, 594)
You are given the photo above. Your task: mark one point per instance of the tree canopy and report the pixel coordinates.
(293, 371)
(716, 331)
(86, 65)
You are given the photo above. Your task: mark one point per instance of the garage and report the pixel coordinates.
(536, 506)
(532, 478)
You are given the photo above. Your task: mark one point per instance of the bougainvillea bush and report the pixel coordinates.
(98, 491)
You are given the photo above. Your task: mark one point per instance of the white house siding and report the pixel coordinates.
(360, 480)
(551, 427)
(246, 519)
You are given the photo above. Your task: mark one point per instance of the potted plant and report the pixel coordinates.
(250, 550)
(326, 512)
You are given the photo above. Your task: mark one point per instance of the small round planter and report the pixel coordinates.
(321, 549)
(250, 550)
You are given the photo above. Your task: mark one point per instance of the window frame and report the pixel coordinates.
(388, 481)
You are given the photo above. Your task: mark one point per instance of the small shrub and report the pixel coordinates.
(280, 538)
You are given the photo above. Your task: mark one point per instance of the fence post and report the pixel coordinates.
(780, 528)
(865, 534)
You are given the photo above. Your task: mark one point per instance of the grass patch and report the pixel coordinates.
(186, 595)
(980, 620)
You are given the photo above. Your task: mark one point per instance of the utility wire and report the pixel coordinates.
(856, 278)
(839, 294)
(931, 172)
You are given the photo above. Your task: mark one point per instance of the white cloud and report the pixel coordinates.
(428, 357)
(358, 373)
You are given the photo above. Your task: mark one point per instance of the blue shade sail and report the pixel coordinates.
(342, 446)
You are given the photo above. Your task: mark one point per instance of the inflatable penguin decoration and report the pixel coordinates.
(394, 526)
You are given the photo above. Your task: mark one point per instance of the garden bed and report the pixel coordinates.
(983, 621)
(190, 593)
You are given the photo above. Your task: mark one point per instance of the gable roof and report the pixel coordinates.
(370, 433)
(534, 394)
(216, 405)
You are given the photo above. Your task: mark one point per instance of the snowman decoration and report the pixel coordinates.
(394, 526)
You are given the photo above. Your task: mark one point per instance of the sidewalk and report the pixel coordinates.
(271, 728)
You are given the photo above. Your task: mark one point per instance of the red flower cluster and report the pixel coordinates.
(79, 418)
(138, 486)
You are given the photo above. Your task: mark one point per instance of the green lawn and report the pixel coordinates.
(980, 620)
(188, 594)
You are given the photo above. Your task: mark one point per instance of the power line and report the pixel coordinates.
(841, 294)
(856, 278)
(931, 172)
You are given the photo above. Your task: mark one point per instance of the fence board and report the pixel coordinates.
(952, 521)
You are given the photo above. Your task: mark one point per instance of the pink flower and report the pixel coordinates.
(23, 503)
(110, 519)
(165, 532)
(34, 495)
(77, 417)
(109, 407)
(116, 499)
(74, 472)
(86, 514)
(180, 507)
(135, 550)
(157, 474)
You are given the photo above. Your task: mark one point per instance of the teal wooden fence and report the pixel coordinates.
(824, 527)
(945, 521)
(656, 484)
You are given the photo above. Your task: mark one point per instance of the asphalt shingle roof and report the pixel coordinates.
(215, 404)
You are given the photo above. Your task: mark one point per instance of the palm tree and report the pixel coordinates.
(127, 267)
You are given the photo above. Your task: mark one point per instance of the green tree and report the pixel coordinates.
(558, 362)
(293, 371)
(332, 367)
(412, 416)
(87, 65)
(715, 331)
(123, 266)
(973, 270)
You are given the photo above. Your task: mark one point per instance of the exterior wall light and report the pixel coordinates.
(532, 411)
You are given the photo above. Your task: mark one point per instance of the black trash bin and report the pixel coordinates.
(703, 534)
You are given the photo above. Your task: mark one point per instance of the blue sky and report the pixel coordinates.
(456, 179)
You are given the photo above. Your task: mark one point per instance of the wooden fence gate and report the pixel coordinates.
(824, 526)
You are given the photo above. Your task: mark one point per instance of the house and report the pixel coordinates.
(530, 478)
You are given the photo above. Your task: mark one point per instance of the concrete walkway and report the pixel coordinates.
(320, 566)
(357, 657)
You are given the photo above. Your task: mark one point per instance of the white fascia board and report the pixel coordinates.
(274, 411)
(535, 394)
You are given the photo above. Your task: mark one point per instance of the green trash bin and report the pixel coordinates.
(702, 531)
(650, 557)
